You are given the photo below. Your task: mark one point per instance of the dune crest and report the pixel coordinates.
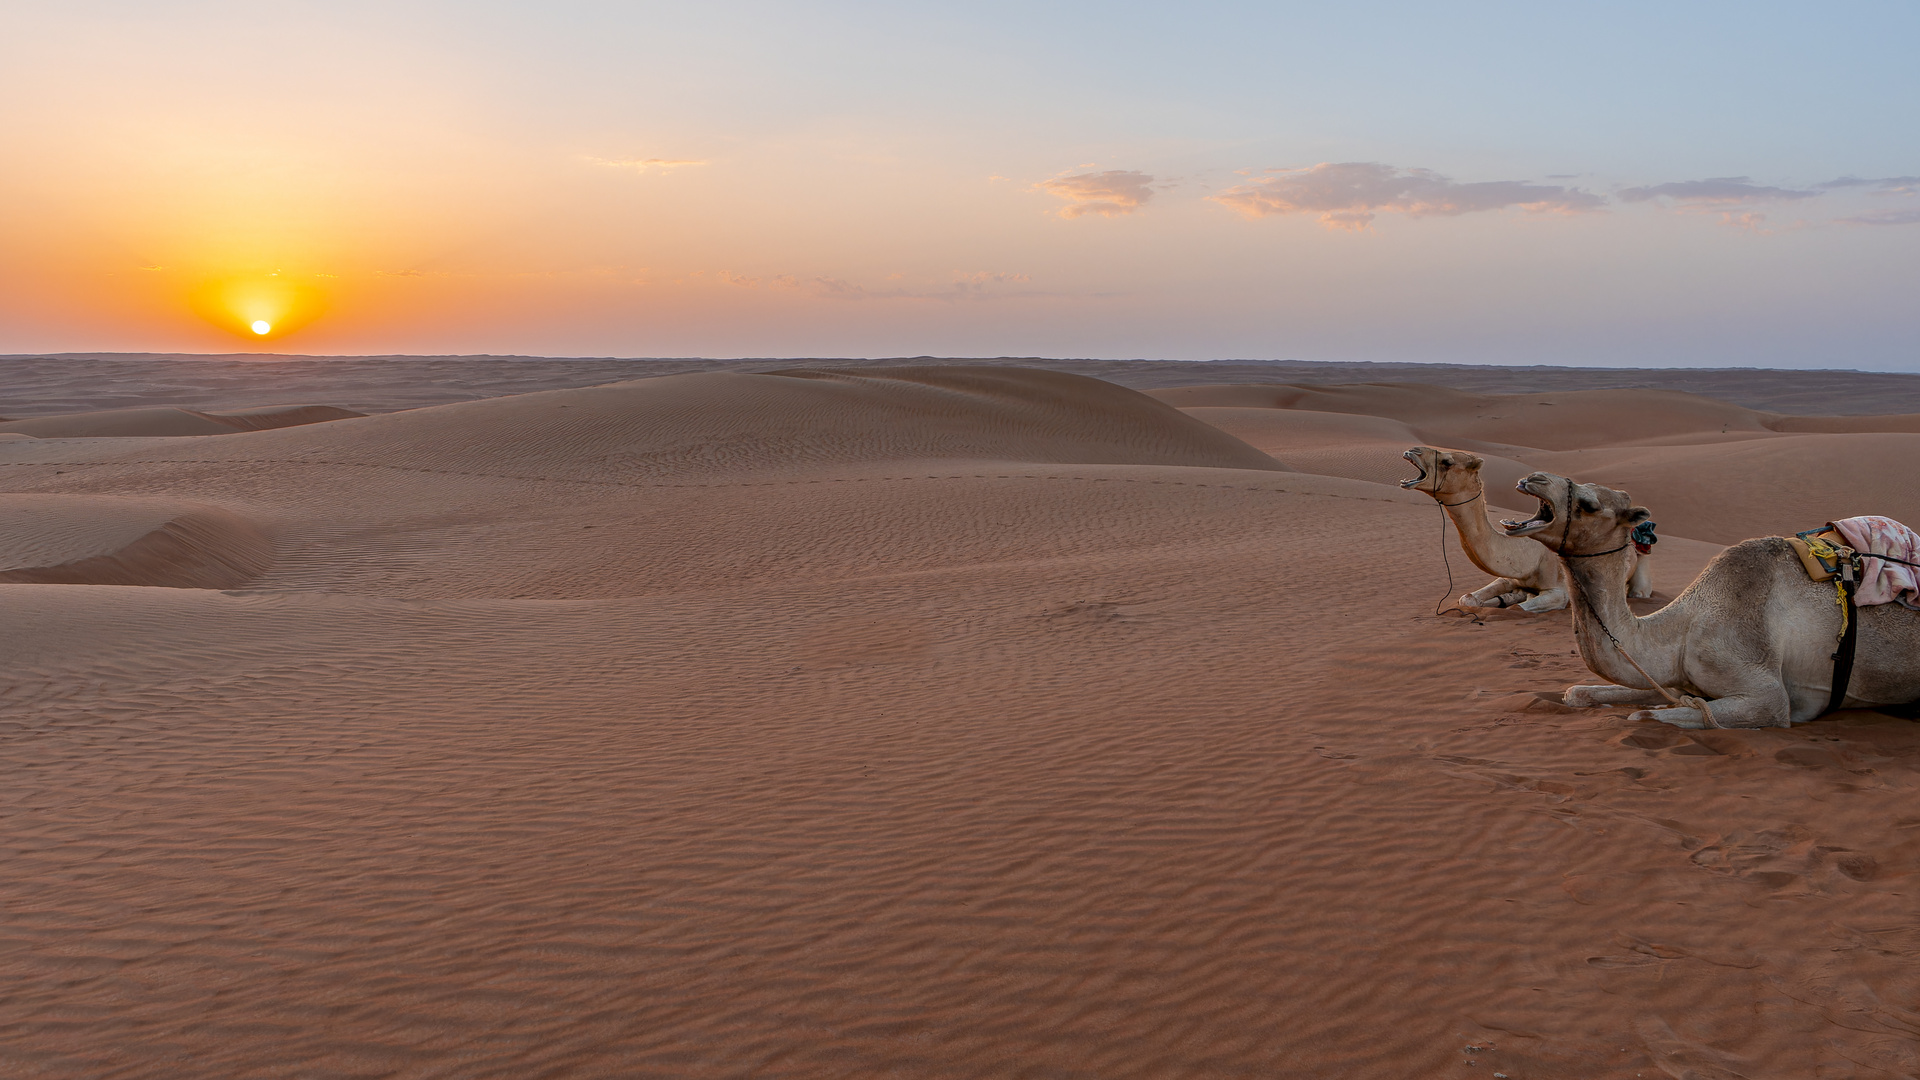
(113, 540)
(730, 423)
(170, 422)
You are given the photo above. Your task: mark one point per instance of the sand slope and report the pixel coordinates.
(166, 422)
(732, 725)
(1708, 470)
(114, 540)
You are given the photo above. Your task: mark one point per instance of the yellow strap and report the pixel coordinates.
(1838, 556)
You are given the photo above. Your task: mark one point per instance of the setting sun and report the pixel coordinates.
(255, 305)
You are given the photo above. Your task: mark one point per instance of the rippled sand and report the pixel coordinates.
(932, 722)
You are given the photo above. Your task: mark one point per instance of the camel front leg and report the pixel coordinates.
(1586, 697)
(1551, 600)
(1640, 586)
(1764, 709)
(1500, 592)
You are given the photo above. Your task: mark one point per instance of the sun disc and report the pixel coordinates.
(261, 326)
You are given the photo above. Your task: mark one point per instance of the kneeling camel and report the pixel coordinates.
(1524, 574)
(1750, 643)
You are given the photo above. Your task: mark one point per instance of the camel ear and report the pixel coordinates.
(1638, 514)
(1470, 462)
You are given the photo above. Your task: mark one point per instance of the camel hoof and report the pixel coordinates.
(1578, 697)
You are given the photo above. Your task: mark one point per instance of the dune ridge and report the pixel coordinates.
(170, 422)
(110, 540)
(1709, 470)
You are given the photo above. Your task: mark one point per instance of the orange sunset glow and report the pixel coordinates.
(258, 305)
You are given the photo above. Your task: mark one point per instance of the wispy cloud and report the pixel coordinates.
(981, 279)
(1349, 195)
(1716, 192)
(1885, 185)
(1737, 199)
(1883, 217)
(645, 165)
(966, 285)
(1109, 194)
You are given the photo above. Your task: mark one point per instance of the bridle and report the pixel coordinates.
(1684, 701)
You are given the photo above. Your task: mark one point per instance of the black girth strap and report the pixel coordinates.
(1849, 638)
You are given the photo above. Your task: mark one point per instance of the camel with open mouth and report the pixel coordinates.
(1524, 575)
(1749, 644)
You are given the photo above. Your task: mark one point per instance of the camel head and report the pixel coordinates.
(1447, 475)
(1577, 518)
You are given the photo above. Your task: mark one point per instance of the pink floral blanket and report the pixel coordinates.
(1883, 582)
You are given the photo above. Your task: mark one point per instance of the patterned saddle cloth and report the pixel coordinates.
(1881, 581)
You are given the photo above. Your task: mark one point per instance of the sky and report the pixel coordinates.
(1625, 184)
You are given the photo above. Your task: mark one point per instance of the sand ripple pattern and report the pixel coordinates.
(890, 762)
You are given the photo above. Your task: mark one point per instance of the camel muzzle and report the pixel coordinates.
(1533, 524)
(1414, 456)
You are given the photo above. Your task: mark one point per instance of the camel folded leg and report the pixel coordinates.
(1551, 600)
(1761, 709)
(1493, 592)
(1584, 697)
(1640, 586)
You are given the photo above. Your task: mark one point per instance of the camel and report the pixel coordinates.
(1523, 574)
(1749, 644)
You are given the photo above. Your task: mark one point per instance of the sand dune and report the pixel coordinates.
(1730, 491)
(927, 723)
(691, 425)
(1709, 471)
(117, 540)
(168, 422)
(1552, 421)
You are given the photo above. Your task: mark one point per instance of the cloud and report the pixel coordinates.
(966, 286)
(1109, 194)
(741, 280)
(1883, 217)
(1885, 185)
(1348, 195)
(645, 165)
(980, 279)
(1716, 192)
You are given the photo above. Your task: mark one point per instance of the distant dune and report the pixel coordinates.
(938, 720)
(166, 422)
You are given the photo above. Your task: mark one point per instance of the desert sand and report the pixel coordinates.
(922, 721)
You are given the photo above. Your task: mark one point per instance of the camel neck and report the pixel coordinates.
(1603, 623)
(1496, 553)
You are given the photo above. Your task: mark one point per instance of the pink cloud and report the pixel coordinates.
(1109, 194)
(1349, 195)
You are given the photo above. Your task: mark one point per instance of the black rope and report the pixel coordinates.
(1448, 563)
(1596, 554)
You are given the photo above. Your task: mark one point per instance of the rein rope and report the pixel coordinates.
(1444, 560)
